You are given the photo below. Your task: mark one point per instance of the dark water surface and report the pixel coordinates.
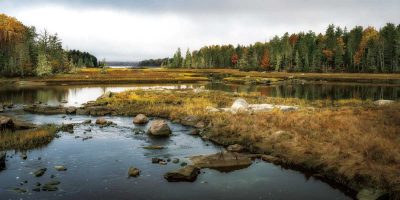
(97, 168)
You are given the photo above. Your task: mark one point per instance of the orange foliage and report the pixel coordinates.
(369, 34)
(265, 61)
(11, 29)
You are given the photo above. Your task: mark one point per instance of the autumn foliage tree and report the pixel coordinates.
(265, 60)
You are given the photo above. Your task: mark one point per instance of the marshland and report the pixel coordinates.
(304, 115)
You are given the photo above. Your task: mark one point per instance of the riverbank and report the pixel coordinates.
(162, 75)
(351, 142)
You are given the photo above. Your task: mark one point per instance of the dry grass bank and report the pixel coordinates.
(28, 139)
(352, 142)
(161, 75)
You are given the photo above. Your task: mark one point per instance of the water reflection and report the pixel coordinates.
(316, 90)
(75, 95)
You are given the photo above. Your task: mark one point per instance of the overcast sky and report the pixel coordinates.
(132, 30)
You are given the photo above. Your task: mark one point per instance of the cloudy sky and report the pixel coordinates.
(131, 30)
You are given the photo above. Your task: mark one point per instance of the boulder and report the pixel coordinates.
(6, 123)
(133, 172)
(235, 148)
(383, 102)
(87, 121)
(140, 119)
(70, 110)
(101, 121)
(228, 161)
(188, 174)
(1, 109)
(3, 156)
(239, 105)
(22, 125)
(159, 128)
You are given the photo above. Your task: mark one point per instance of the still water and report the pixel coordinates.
(75, 95)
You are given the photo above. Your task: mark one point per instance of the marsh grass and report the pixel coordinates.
(352, 142)
(27, 139)
(163, 75)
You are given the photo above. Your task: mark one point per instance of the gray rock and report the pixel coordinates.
(140, 119)
(87, 121)
(175, 160)
(159, 128)
(188, 174)
(40, 172)
(70, 110)
(133, 172)
(60, 168)
(222, 161)
(235, 148)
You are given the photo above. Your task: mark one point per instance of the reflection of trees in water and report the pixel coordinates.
(30, 95)
(315, 91)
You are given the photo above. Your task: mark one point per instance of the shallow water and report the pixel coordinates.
(97, 168)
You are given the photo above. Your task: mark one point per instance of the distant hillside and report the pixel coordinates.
(122, 64)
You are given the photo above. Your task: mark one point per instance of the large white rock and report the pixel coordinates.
(383, 102)
(239, 105)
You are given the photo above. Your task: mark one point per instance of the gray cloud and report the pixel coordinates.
(193, 23)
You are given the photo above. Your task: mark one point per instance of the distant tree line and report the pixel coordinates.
(338, 50)
(82, 59)
(153, 62)
(24, 52)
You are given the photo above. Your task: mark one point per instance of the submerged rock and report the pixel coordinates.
(69, 128)
(60, 168)
(222, 161)
(235, 148)
(188, 173)
(87, 121)
(138, 131)
(153, 147)
(20, 190)
(40, 172)
(3, 156)
(175, 160)
(49, 187)
(101, 121)
(133, 172)
(23, 156)
(140, 119)
(159, 128)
